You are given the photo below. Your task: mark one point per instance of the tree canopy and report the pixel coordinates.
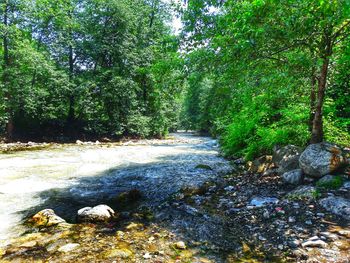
(94, 67)
(266, 72)
(254, 73)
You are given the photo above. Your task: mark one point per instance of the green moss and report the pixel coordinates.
(315, 194)
(333, 184)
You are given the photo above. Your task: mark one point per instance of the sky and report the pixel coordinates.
(176, 22)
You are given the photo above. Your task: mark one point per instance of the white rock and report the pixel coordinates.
(79, 142)
(314, 243)
(100, 213)
(180, 245)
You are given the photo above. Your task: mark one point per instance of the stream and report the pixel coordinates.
(68, 177)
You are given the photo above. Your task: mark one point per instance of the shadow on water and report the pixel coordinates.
(157, 182)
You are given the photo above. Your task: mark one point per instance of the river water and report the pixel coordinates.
(69, 177)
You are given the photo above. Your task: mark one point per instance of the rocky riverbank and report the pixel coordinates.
(253, 214)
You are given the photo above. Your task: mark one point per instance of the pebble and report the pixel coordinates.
(29, 244)
(69, 247)
(291, 219)
(133, 226)
(308, 222)
(314, 243)
(180, 245)
(229, 188)
(262, 201)
(295, 243)
(147, 256)
(261, 238)
(266, 214)
(320, 214)
(118, 253)
(296, 205)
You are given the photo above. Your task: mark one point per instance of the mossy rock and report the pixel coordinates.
(305, 192)
(330, 182)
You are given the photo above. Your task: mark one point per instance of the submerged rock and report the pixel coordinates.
(337, 205)
(293, 177)
(118, 253)
(46, 218)
(100, 213)
(320, 159)
(204, 166)
(68, 247)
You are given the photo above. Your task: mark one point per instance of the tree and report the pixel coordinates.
(265, 60)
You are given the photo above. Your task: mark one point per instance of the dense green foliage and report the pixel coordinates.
(267, 72)
(97, 67)
(255, 73)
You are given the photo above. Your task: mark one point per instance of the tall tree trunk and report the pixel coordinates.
(7, 95)
(326, 49)
(153, 13)
(317, 128)
(312, 98)
(71, 113)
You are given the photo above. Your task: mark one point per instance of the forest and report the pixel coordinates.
(255, 73)
(175, 131)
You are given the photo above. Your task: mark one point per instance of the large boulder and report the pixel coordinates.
(322, 158)
(337, 205)
(100, 213)
(46, 218)
(286, 158)
(293, 177)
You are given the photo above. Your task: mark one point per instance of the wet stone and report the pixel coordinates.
(262, 201)
(180, 245)
(68, 247)
(118, 253)
(314, 243)
(46, 218)
(100, 213)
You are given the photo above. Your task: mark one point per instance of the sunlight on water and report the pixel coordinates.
(65, 176)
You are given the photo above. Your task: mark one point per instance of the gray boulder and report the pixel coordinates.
(286, 158)
(100, 213)
(320, 159)
(293, 177)
(337, 205)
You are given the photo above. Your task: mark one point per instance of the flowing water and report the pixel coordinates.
(69, 177)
